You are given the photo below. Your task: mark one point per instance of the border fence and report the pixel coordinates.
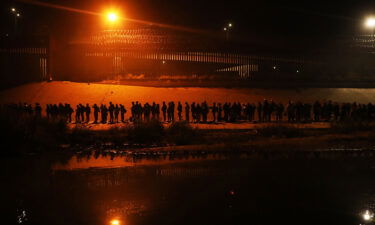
(151, 53)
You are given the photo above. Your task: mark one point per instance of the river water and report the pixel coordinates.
(113, 190)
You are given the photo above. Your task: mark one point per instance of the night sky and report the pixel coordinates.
(319, 18)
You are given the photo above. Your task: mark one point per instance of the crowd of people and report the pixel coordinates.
(264, 111)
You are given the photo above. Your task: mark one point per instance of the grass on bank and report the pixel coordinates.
(24, 133)
(145, 133)
(281, 131)
(347, 127)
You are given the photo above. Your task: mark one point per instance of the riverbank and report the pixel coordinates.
(26, 135)
(241, 125)
(182, 138)
(266, 139)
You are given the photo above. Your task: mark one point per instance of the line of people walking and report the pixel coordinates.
(264, 111)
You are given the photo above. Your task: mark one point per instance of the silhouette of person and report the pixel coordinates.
(219, 112)
(111, 110)
(70, 112)
(96, 113)
(122, 111)
(214, 112)
(88, 112)
(187, 112)
(78, 113)
(164, 110)
(117, 111)
(38, 111)
(179, 111)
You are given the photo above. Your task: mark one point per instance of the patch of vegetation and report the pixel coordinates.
(181, 133)
(24, 132)
(351, 126)
(143, 133)
(146, 132)
(284, 131)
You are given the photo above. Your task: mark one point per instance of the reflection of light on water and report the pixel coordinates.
(21, 218)
(368, 215)
(129, 160)
(115, 222)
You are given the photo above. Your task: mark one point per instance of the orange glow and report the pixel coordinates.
(116, 162)
(112, 17)
(87, 12)
(370, 22)
(115, 222)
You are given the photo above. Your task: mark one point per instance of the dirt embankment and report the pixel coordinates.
(75, 93)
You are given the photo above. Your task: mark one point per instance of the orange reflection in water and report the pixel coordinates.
(101, 162)
(115, 222)
(77, 162)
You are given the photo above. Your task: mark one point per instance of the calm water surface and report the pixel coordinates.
(212, 190)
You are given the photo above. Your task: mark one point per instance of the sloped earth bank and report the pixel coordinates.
(75, 93)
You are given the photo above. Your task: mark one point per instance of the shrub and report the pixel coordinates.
(146, 132)
(181, 133)
(82, 136)
(24, 132)
(280, 131)
(352, 126)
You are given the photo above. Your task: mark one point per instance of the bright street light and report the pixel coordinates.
(227, 30)
(112, 17)
(16, 15)
(367, 215)
(115, 222)
(370, 22)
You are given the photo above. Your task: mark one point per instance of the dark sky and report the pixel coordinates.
(278, 18)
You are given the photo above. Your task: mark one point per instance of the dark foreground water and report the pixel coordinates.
(187, 191)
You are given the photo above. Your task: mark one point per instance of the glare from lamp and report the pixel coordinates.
(370, 22)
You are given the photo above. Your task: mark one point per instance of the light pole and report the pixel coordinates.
(16, 15)
(227, 30)
(370, 23)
